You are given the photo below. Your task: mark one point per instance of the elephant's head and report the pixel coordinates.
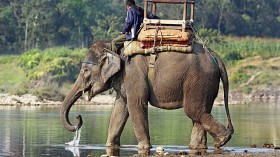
(98, 67)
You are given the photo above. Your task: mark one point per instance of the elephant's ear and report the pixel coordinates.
(111, 65)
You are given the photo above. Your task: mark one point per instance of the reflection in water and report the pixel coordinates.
(115, 151)
(74, 149)
(110, 151)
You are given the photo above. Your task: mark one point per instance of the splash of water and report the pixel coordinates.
(76, 140)
(75, 150)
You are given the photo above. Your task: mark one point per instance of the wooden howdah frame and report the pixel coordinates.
(172, 24)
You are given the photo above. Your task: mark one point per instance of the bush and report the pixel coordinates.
(30, 59)
(47, 70)
(210, 36)
(63, 64)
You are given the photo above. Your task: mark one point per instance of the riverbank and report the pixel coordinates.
(31, 100)
(50, 76)
(234, 99)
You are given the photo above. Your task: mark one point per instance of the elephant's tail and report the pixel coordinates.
(224, 77)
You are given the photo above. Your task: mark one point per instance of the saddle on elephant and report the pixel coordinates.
(157, 35)
(165, 40)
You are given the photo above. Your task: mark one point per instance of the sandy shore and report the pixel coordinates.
(31, 100)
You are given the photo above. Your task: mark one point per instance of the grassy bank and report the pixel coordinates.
(11, 75)
(234, 49)
(255, 75)
(253, 65)
(46, 73)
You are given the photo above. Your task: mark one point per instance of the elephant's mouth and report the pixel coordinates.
(91, 94)
(93, 90)
(88, 89)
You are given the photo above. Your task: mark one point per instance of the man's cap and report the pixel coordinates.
(130, 2)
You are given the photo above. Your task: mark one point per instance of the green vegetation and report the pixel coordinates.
(49, 70)
(44, 73)
(60, 63)
(11, 76)
(7, 59)
(28, 24)
(32, 29)
(250, 47)
(255, 73)
(234, 49)
(253, 64)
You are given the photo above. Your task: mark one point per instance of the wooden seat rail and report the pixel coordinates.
(149, 23)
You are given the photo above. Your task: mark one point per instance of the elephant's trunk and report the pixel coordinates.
(70, 99)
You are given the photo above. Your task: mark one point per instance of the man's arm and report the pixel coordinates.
(129, 22)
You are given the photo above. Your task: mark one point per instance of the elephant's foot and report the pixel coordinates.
(112, 144)
(144, 152)
(217, 130)
(144, 145)
(222, 140)
(198, 137)
(197, 146)
(113, 151)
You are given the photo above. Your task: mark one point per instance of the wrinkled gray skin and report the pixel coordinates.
(189, 81)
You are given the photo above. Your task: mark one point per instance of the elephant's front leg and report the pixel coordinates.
(138, 111)
(118, 119)
(137, 92)
(137, 101)
(198, 137)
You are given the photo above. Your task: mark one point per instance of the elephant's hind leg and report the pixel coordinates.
(118, 119)
(217, 130)
(198, 137)
(194, 107)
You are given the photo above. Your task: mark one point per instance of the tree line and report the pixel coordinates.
(28, 24)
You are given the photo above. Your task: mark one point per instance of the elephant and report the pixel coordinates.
(180, 80)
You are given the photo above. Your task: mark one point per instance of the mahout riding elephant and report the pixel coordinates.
(180, 80)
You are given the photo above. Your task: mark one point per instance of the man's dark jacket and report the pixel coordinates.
(134, 18)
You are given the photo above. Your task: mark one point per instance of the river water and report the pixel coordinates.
(37, 131)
